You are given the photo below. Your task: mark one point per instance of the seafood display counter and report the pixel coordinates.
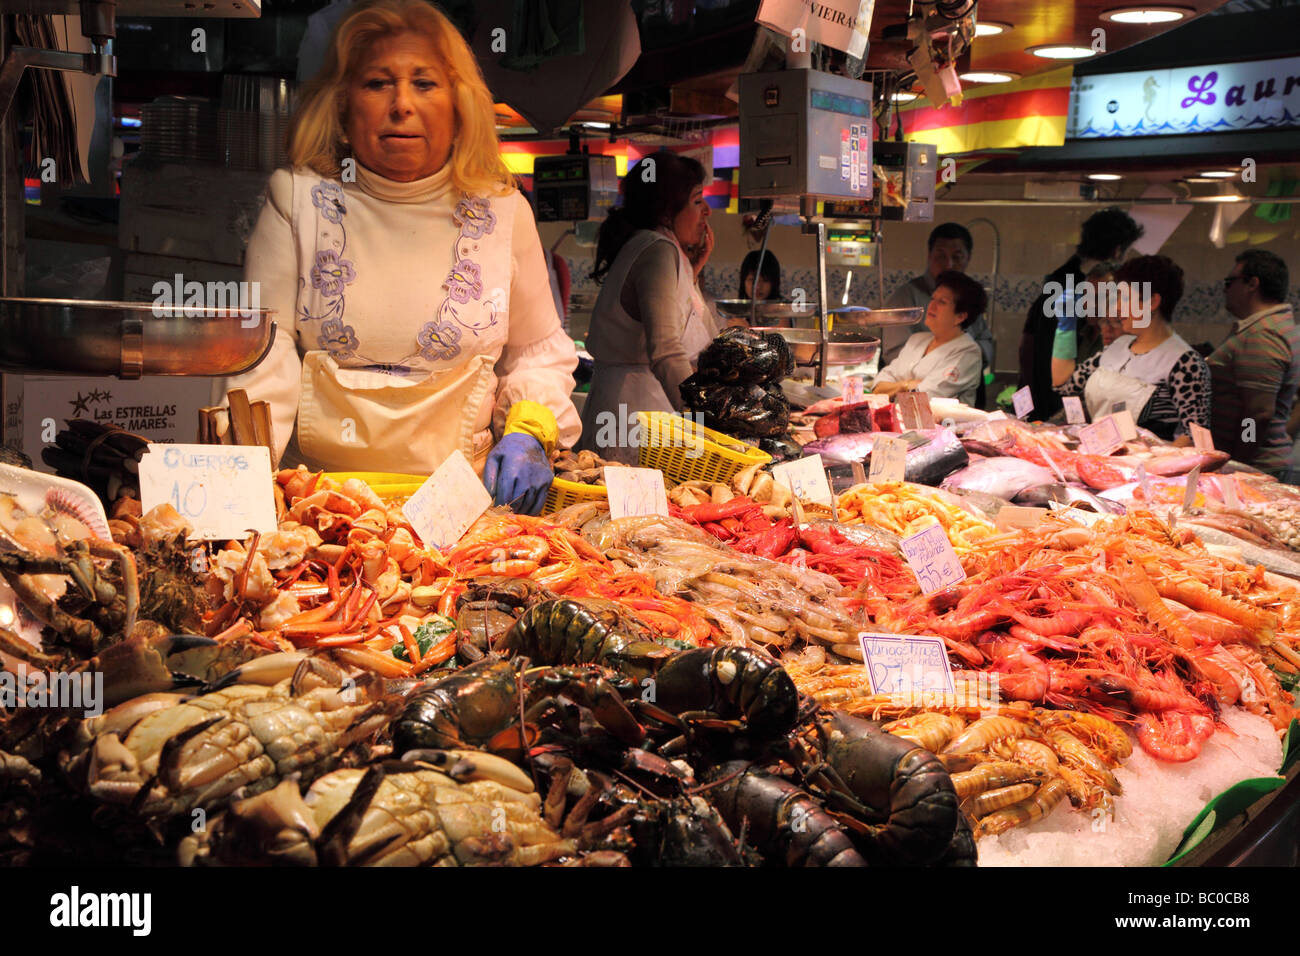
(1121, 632)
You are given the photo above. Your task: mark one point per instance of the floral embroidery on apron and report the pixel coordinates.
(330, 275)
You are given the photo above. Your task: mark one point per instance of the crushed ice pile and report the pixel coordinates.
(1159, 801)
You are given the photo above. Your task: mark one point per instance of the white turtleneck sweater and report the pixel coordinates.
(408, 281)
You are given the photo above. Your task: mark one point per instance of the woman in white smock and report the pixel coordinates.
(404, 270)
(650, 322)
(945, 361)
(1159, 378)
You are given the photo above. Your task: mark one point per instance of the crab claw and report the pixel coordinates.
(464, 766)
(139, 664)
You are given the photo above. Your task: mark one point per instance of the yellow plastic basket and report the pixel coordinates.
(687, 451)
(564, 493)
(387, 485)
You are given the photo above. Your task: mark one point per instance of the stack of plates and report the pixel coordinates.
(181, 129)
(254, 123)
(237, 138)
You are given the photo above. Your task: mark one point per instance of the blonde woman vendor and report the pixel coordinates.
(404, 269)
(943, 361)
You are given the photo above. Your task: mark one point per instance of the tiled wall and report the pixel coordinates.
(1034, 242)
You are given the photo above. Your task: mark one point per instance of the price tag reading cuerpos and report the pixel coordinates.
(851, 390)
(888, 460)
(932, 558)
(906, 666)
(1202, 437)
(806, 479)
(634, 492)
(1073, 410)
(448, 502)
(1101, 437)
(222, 491)
(1023, 402)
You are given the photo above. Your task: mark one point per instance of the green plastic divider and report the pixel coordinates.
(1222, 809)
(1291, 746)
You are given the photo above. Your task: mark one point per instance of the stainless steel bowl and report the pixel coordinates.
(129, 339)
(768, 309)
(876, 318)
(843, 346)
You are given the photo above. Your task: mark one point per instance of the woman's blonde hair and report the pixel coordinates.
(316, 135)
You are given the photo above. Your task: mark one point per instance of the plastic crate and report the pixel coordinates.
(564, 493)
(387, 485)
(666, 440)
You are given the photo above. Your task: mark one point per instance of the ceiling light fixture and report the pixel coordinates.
(991, 28)
(905, 96)
(1105, 177)
(1061, 51)
(1143, 15)
(594, 124)
(989, 76)
(1220, 173)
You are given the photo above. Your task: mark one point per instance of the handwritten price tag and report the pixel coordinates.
(634, 492)
(448, 502)
(906, 666)
(806, 479)
(888, 460)
(932, 558)
(1016, 518)
(1073, 410)
(1202, 437)
(1128, 429)
(223, 492)
(852, 391)
(1023, 402)
(1101, 437)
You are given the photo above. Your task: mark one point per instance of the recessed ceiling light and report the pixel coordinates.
(594, 124)
(991, 28)
(1060, 51)
(989, 76)
(1146, 14)
(1104, 177)
(905, 96)
(1219, 173)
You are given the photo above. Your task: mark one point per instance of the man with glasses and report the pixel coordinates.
(1256, 371)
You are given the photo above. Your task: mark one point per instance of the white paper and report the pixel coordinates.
(933, 561)
(448, 502)
(1228, 483)
(634, 492)
(1023, 401)
(1073, 410)
(1189, 492)
(1051, 462)
(905, 665)
(806, 479)
(1101, 437)
(1144, 482)
(851, 390)
(223, 491)
(888, 460)
(1202, 437)
(1124, 422)
(1158, 220)
(1017, 517)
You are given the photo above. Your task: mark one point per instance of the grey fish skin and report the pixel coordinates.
(1067, 495)
(927, 464)
(1000, 477)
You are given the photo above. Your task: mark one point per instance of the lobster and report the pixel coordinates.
(729, 682)
(467, 707)
(589, 631)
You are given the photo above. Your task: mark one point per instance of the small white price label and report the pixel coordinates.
(933, 561)
(1073, 410)
(1101, 437)
(222, 491)
(1060, 475)
(449, 501)
(634, 492)
(1202, 437)
(1128, 429)
(1189, 493)
(1144, 483)
(877, 401)
(852, 390)
(1017, 518)
(1228, 484)
(1023, 402)
(888, 460)
(905, 666)
(806, 479)
(997, 416)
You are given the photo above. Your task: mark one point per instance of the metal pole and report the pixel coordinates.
(823, 304)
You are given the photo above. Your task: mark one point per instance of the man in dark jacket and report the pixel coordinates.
(1105, 235)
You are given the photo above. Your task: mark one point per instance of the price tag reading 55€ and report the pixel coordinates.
(932, 558)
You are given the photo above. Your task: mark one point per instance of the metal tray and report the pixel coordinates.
(768, 309)
(129, 339)
(876, 318)
(843, 346)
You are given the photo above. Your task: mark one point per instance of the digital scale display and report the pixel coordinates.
(839, 103)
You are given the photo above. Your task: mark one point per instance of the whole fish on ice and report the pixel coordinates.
(1002, 477)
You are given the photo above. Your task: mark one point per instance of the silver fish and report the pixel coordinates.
(1001, 477)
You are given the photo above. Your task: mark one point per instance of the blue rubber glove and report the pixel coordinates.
(518, 473)
(1065, 344)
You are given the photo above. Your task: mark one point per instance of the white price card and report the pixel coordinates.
(635, 492)
(1189, 493)
(223, 491)
(906, 666)
(933, 561)
(1060, 475)
(1202, 437)
(1128, 429)
(877, 401)
(1023, 402)
(1073, 410)
(449, 501)
(997, 416)
(1016, 518)
(851, 390)
(888, 460)
(1228, 485)
(1144, 483)
(806, 479)
(1101, 437)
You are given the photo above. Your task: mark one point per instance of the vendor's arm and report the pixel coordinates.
(897, 376)
(1078, 379)
(955, 377)
(538, 360)
(1190, 382)
(653, 297)
(271, 261)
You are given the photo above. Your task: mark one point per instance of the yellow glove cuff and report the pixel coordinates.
(536, 420)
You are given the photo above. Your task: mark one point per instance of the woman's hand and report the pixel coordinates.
(893, 388)
(699, 255)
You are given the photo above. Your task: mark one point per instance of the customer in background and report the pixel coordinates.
(1161, 379)
(1086, 322)
(768, 278)
(1256, 371)
(1106, 235)
(944, 360)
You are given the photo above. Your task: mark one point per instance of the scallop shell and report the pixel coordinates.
(60, 500)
